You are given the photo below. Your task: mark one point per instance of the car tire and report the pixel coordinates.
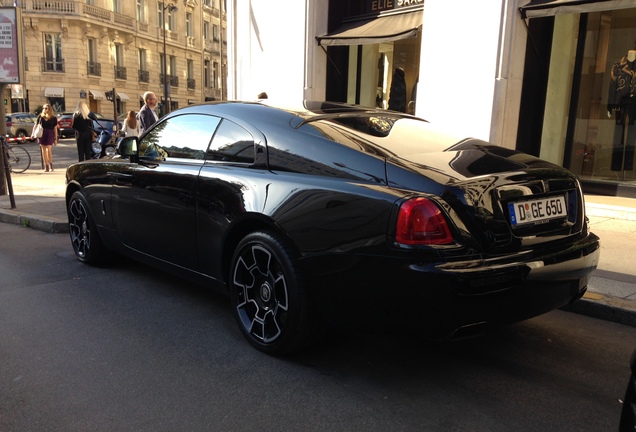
(269, 295)
(87, 244)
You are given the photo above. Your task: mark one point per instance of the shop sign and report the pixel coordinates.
(376, 6)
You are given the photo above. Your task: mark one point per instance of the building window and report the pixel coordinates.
(191, 80)
(53, 61)
(171, 21)
(117, 6)
(161, 23)
(144, 75)
(215, 78)
(206, 31)
(172, 71)
(189, 30)
(215, 33)
(141, 15)
(120, 69)
(206, 73)
(93, 67)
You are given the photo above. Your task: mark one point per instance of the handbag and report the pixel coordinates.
(38, 130)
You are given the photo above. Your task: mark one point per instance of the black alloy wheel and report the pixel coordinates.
(269, 296)
(85, 239)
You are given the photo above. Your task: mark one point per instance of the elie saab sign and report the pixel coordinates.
(9, 54)
(375, 6)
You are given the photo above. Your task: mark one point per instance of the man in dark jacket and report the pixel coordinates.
(146, 115)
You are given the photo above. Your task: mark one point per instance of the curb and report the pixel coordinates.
(37, 222)
(612, 309)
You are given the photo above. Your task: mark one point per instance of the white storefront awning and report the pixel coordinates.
(57, 92)
(385, 28)
(97, 95)
(544, 8)
(123, 96)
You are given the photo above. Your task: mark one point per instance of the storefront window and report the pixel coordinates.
(387, 74)
(604, 133)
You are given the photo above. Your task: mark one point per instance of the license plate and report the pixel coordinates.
(537, 210)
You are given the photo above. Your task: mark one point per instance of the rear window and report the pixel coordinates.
(399, 136)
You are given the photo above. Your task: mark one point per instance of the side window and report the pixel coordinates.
(186, 136)
(231, 143)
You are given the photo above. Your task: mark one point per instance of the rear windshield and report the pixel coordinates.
(399, 136)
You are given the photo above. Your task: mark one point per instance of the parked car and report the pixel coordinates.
(65, 125)
(311, 216)
(20, 124)
(628, 413)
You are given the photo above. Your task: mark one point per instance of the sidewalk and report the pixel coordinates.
(39, 204)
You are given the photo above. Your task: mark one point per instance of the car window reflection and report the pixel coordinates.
(231, 143)
(186, 136)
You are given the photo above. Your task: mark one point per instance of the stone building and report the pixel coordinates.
(83, 49)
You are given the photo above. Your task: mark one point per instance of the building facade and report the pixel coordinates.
(83, 50)
(553, 78)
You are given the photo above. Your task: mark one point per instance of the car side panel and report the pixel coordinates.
(154, 211)
(320, 215)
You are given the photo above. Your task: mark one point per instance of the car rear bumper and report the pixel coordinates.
(449, 299)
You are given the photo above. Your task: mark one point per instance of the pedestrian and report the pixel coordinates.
(49, 136)
(83, 124)
(131, 125)
(147, 115)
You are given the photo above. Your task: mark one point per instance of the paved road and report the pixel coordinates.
(128, 348)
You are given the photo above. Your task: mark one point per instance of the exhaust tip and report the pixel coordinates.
(470, 330)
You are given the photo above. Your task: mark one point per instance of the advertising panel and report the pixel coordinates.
(9, 54)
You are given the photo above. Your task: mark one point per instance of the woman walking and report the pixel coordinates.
(83, 133)
(49, 136)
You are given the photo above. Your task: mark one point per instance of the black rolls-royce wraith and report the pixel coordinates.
(309, 215)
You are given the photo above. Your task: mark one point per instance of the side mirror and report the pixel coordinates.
(127, 146)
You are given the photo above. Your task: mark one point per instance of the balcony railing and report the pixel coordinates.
(120, 73)
(93, 68)
(80, 8)
(144, 76)
(52, 65)
(173, 79)
(192, 84)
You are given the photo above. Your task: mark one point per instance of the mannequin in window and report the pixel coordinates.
(621, 101)
(397, 96)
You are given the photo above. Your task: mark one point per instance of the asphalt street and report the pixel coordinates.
(130, 348)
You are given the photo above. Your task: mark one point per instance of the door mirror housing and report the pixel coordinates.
(127, 147)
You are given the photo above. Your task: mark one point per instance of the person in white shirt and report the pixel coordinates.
(131, 125)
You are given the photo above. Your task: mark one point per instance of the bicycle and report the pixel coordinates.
(17, 157)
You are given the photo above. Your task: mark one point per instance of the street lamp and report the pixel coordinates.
(166, 83)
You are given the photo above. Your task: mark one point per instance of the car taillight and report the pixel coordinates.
(421, 222)
(9, 124)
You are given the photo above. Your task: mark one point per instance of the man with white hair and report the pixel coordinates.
(147, 115)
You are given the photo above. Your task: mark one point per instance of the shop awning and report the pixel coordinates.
(97, 95)
(385, 28)
(57, 92)
(543, 8)
(123, 97)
